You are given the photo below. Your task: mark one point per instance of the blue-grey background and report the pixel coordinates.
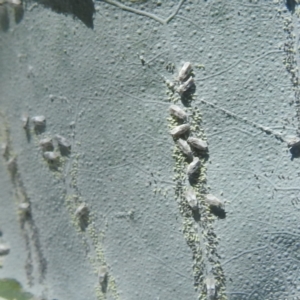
(86, 77)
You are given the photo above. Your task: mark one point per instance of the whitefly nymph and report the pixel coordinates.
(213, 201)
(46, 144)
(180, 130)
(293, 142)
(24, 207)
(25, 121)
(12, 165)
(38, 121)
(184, 147)
(193, 167)
(62, 141)
(51, 156)
(191, 198)
(185, 71)
(210, 287)
(184, 87)
(5, 150)
(177, 112)
(197, 143)
(4, 249)
(102, 274)
(82, 210)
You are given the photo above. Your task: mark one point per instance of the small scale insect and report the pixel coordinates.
(25, 121)
(180, 130)
(184, 147)
(213, 201)
(102, 274)
(293, 142)
(4, 249)
(12, 165)
(5, 150)
(197, 143)
(46, 144)
(16, 2)
(184, 87)
(51, 156)
(24, 207)
(193, 167)
(210, 287)
(82, 210)
(191, 198)
(63, 142)
(177, 112)
(185, 71)
(142, 59)
(38, 122)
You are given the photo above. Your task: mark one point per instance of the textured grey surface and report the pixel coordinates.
(93, 89)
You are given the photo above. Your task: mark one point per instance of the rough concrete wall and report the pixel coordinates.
(104, 89)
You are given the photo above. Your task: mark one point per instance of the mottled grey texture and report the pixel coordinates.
(94, 89)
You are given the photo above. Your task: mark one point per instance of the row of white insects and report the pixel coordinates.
(186, 81)
(186, 146)
(51, 154)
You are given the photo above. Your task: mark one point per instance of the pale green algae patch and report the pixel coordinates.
(11, 289)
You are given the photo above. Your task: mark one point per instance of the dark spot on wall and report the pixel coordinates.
(82, 9)
(290, 4)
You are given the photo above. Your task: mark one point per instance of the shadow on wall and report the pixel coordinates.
(291, 4)
(82, 9)
(14, 10)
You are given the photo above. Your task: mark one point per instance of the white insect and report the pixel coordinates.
(62, 141)
(185, 71)
(24, 207)
(51, 155)
(4, 249)
(177, 112)
(193, 167)
(210, 287)
(82, 210)
(180, 130)
(38, 121)
(46, 144)
(25, 121)
(5, 150)
(191, 198)
(293, 142)
(102, 274)
(212, 200)
(185, 86)
(197, 143)
(184, 147)
(12, 165)
(16, 2)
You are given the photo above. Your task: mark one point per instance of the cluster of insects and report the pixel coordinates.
(193, 150)
(52, 147)
(190, 146)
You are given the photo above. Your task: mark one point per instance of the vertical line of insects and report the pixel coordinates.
(58, 154)
(29, 229)
(291, 58)
(190, 155)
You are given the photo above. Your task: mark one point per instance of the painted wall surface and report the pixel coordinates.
(100, 73)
